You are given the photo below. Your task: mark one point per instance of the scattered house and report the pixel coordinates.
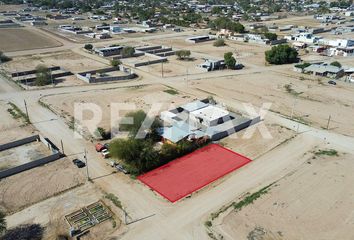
(349, 13)
(198, 39)
(39, 23)
(201, 119)
(115, 29)
(341, 51)
(109, 51)
(211, 65)
(325, 70)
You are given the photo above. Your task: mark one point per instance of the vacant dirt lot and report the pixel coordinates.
(20, 190)
(313, 202)
(17, 39)
(23, 154)
(67, 60)
(257, 145)
(313, 100)
(244, 52)
(53, 210)
(142, 97)
(12, 129)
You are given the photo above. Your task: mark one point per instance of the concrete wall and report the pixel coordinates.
(82, 76)
(18, 142)
(30, 165)
(150, 62)
(30, 81)
(12, 171)
(23, 73)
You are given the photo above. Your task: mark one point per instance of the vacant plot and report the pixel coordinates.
(51, 179)
(314, 202)
(23, 154)
(311, 100)
(257, 145)
(140, 97)
(189, 173)
(17, 39)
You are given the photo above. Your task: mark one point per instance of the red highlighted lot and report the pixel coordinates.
(189, 173)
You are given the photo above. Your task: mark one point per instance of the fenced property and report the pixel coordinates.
(88, 217)
(29, 163)
(183, 176)
(107, 75)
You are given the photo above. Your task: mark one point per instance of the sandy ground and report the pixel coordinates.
(23, 154)
(17, 39)
(317, 101)
(12, 129)
(141, 97)
(313, 202)
(67, 60)
(53, 210)
(255, 145)
(244, 52)
(51, 179)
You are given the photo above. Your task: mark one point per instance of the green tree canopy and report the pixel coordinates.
(336, 64)
(128, 51)
(271, 36)
(281, 54)
(43, 76)
(230, 61)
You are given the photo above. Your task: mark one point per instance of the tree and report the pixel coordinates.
(43, 76)
(230, 61)
(3, 223)
(88, 47)
(4, 58)
(336, 64)
(226, 23)
(281, 54)
(271, 36)
(101, 133)
(182, 54)
(219, 42)
(115, 62)
(128, 51)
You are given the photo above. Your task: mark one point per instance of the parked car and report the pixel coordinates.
(122, 169)
(332, 82)
(99, 147)
(105, 153)
(79, 163)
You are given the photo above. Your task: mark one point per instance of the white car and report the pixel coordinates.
(105, 153)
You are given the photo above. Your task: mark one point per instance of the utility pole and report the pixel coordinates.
(26, 109)
(87, 171)
(62, 146)
(162, 68)
(329, 119)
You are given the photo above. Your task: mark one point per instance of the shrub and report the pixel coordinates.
(230, 61)
(128, 52)
(336, 64)
(115, 62)
(4, 58)
(219, 43)
(88, 47)
(183, 54)
(43, 76)
(271, 36)
(281, 54)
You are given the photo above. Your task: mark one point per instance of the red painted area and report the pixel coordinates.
(189, 173)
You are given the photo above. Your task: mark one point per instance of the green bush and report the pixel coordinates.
(43, 76)
(230, 61)
(88, 47)
(281, 54)
(183, 54)
(128, 52)
(336, 64)
(4, 58)
(115, 62)
(219, 43)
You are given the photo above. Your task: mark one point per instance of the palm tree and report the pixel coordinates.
(2, 222)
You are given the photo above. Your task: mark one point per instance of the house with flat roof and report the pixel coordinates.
(325, 70)
(201, 119)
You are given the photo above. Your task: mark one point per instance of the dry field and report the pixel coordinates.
(316, 201)
(174, 68)
(142, 97)
(12, 129)
(312, 99)
(23, 154)
(68, 60)
(244, 52)
(53, 210)
(257, 145)
(51, 179)
(17, 39)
